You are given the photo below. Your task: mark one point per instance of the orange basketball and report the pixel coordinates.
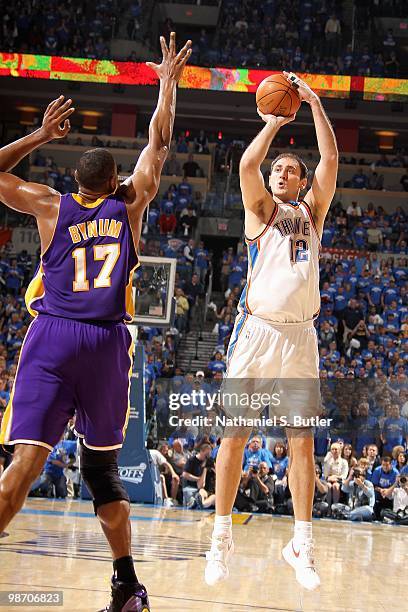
(276, 96)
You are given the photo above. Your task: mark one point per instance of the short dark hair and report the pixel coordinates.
(204, 447)
(94, 168)
(386, 459)
(303, 168)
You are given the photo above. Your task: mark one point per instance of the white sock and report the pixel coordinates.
(302, 532)
(222, 524)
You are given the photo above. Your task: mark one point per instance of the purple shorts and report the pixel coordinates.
(69, 367)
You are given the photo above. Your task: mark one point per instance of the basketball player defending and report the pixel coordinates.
(77, 354)
(276, 312)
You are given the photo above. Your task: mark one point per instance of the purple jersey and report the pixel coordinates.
(86, 272)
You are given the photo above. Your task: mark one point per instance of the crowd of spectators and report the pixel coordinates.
(308, 36)
(255, 34)
(74, 29)
(361, 469)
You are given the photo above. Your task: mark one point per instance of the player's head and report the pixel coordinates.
(96, 171)
(288, 176)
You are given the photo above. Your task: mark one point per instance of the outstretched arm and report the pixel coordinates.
(256, 198)
(33, 198)
(320, 195)
(143, 184)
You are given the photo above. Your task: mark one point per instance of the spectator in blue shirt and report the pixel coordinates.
(394, 431)
(374, 293)
(383, 477)
(14, 278)
(390, 293)
(340, 301)
(224, 329)
(328, 235)
(367, 429)
(217, 364)
(201, 261)
(53, 473)
(254, 454)
(359, 180)
(359, 235)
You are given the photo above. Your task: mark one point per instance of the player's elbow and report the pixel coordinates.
(247, 164)
(333, 156)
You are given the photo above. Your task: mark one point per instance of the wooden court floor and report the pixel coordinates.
(58, 545)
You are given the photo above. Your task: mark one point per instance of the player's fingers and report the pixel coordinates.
(152, 65)
(164, 48)
(185, 58)
(53, 104)
(183, 51)
(172, 46)
(261, 114)
(62, 108)
(294, 80)
(66, 127)
(65, 115)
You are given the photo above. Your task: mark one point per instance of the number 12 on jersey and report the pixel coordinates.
(108, 253)
(299, 250)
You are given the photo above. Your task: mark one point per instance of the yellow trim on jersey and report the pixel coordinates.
(131, 351)
(6, 422)
(35, 290)
(32, 442)
(79, 199)
(129, 301)
(8, 415)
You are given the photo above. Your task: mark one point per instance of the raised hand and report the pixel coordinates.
(305, 92)
(172, 64)
(55, 121)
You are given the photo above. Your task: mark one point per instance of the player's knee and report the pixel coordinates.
(236, 436)
(100, 473)
(301, 443)
(28, 462)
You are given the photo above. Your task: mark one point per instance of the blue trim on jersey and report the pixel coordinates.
(234, 337)
(243, 297)
(253, 253)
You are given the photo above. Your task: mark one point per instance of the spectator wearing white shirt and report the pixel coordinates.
(164, 467)
(399, 493)
(335, 470)
(353, 213)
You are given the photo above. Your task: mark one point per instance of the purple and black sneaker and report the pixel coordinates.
(128, 597)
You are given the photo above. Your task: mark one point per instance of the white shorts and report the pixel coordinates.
(280, 360)
(260, 349)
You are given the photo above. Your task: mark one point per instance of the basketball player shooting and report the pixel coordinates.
(77, 354)
(274, 336)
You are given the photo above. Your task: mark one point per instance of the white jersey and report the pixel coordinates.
(283, 268)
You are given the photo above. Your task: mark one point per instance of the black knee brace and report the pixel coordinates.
(99, 470)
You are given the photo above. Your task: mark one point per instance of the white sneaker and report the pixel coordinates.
(302, 562)
(168, 502)
(222, 547)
